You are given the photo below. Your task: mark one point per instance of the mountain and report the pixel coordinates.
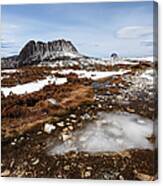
(36, 52)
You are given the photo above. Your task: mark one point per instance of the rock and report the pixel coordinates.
(99, 106)
(13, 143)
(109, 176)
(130, 110)
(65, 129)
(36, 52)
(87, 174)
(66, 136)
(73, 121)
(39, 132)
(68, 123)
(70, 127)
(67, 167)
(86, 117)
(86, 155)
(21, 138)
(72, 116)
(53, 102)
(110, 106)
(35, 161)
(121, 177)
(25, 163)
(12, 163)
(60, 124)
(68, 119)
(89, 168)
(143, 177)
(48, 128)
(5, 173)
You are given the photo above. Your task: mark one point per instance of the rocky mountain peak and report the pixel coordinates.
(39, 51)
(35, 52)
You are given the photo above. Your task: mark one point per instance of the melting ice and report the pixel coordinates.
(111, 132)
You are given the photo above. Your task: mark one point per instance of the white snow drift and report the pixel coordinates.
(92, 74)
(32, 86)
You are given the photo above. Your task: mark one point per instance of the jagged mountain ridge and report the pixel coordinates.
(36, 52)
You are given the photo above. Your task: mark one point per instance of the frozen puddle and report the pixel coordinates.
(112, 132)
(33, 86)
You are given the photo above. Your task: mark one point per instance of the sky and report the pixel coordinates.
(95, 29)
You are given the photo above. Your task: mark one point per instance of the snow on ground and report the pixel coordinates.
(150, 58)
(37, 85)
(9, 71)
(111, 132)
(94, 75)
(33, 86)
(149, 75)
(124, 62)
(7, 76)
(86, 62)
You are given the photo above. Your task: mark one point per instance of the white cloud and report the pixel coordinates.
(9, 39)
(134, 32)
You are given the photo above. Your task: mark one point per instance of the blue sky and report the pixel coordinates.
(96, 29)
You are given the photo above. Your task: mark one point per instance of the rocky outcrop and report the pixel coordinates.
(36, 52)
(9, 62)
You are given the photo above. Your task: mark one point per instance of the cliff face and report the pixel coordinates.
(36, 52)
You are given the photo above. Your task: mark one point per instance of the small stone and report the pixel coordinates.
(21, 138)
(119, 97)
(130, 110)
(35, 162)
(66, 137)
(99, 106)
(73, 116)
(53, 101)
(59, 176)
(68, 119)
(13, 143)
(48, 128)
(87, 174)
(12, 163)
(66, 167)
(144, 177)
(70, 127)
(25, 163)
(65, 129)
(5, 173)
(110, 106)
(39, 132)
(121, 177)
(73, 121)
(89, 168)
(86, 116)
(60, 124)
(86, 155)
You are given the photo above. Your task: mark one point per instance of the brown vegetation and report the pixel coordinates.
(23, 112)
(25, 75)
